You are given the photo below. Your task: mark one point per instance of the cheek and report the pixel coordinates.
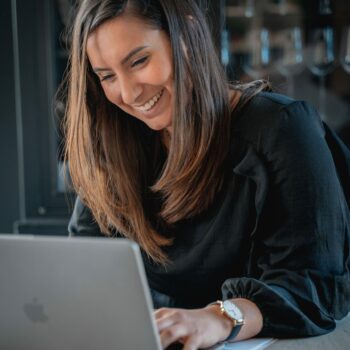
(112, 94)
(158, 74)
(166, 74)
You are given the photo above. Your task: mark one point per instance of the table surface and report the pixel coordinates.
(339, 339)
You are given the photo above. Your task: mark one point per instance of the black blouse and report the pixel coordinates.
(278, 235)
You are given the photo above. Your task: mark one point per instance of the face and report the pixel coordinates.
(134, 64)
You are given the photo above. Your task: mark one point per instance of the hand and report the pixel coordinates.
(200, 328)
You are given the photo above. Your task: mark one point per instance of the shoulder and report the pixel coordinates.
(270, 116)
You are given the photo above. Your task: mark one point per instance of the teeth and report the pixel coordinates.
(148, 105)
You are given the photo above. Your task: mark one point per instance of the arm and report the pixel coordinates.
(202, 328)
(298, 273)
(297, 277)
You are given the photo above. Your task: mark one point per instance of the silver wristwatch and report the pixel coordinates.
(230, 310)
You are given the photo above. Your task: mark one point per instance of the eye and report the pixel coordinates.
(106, 77)
(140, 61)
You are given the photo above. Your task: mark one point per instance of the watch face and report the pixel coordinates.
(233, 311)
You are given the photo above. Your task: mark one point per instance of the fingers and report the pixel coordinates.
(173, 334)
(191, 344)
(161, 312)
(173, 326)
(168, 317)
(195, 329)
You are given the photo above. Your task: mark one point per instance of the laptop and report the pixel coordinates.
(74, 293)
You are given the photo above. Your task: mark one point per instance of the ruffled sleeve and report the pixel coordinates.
(82, 222)
(297, 273)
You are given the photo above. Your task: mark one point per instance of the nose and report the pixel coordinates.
(129, 90)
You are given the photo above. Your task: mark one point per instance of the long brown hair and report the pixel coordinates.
(118, 166)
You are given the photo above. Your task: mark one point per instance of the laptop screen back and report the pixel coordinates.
(74, 293)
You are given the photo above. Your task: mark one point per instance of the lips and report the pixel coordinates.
(148, 105)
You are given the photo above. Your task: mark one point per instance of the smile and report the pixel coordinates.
(148, 105)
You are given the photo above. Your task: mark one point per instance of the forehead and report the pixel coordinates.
(115, 38)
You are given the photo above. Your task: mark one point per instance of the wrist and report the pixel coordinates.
(225, 323)
(253, 320)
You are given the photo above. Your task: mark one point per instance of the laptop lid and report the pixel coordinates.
(74, 293)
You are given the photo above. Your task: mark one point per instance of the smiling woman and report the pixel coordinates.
(136, 74)
(230, 190)
(136, 55)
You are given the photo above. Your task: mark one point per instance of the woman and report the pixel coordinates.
(230, 191)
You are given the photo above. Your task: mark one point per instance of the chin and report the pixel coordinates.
(158, 126)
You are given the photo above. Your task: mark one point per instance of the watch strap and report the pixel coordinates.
(236, 326)
(234, 332)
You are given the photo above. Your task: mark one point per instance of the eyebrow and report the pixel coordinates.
(125, 59)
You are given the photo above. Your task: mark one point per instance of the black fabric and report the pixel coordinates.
(341, 155)
(278, 235)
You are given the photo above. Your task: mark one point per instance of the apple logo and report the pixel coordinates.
(35, 311)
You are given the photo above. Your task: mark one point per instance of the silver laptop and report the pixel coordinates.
(72, 294)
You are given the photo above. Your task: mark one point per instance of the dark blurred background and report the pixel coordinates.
(301, 46)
